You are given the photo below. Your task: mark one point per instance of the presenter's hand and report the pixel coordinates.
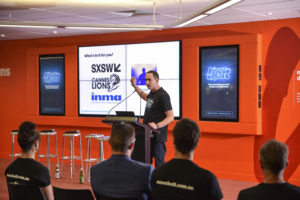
(153, 125)
(133, 81)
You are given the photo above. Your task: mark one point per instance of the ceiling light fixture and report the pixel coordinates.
(222, 6)
(219, 5)
(17, 24)
(107, 28)
(191, 20)
(24, 26)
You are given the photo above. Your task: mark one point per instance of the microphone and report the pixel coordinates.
(120, 102)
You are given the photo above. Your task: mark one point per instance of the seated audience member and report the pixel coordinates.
(181, 178)
(119, 176)
(25, 170)
(273, 156)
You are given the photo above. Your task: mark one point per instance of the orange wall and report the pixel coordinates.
(228, 155)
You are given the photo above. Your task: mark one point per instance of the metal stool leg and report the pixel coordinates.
(13, 147)
(39, 152)
(101, 153)
(48, 151)
(57, 160)
(88, 155)
(62, 157)
(71, 156)
(80, 151)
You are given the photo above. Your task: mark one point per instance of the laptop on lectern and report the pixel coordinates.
(125, 113)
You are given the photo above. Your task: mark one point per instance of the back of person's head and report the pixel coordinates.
(154, 73)
(186, 135)
(122, 135)
(273, 156)
(27, 135)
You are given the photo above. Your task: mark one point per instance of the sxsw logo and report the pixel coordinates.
(218, 73)
(102, 68)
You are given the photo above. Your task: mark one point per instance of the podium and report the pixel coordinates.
(143, 132)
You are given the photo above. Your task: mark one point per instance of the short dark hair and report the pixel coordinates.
(122, 135)
(273, 156)
(186, 135)
(154, 73)
(27, 135)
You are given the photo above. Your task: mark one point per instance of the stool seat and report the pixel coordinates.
(48, 155)
(94, 135)
(72, 133)
(48, 132)
(14, 132)
(104, 138)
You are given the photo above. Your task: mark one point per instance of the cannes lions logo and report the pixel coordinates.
(107, 83)
(114, 82)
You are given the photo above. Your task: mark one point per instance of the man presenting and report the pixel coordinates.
(158, 114)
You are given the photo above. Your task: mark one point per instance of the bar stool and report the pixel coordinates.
(48, 155)
(101, 151)
(88, 159)
(72, 156)
(13, 154)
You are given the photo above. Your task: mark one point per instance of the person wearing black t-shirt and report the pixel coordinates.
(181, 178)
(158, 114)
(25, 170)
(273, 156)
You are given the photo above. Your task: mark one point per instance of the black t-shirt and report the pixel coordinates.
(181, 179)
(158, 103)
(27, 171)
(276, 191)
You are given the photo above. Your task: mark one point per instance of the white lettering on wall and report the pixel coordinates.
(4, 71)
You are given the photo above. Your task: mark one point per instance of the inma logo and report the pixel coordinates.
(99, 97)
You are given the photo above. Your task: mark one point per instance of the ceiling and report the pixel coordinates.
(129, 12)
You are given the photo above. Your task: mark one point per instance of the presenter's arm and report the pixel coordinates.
(48, 192)
(167, 120)
(140, 92)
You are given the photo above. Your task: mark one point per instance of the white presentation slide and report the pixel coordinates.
(105, 73)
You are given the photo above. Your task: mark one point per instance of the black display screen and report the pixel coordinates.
(219, 83)
(52, 84)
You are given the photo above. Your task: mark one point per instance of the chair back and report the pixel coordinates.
(72, 194)
(21, 192)
(101, 197)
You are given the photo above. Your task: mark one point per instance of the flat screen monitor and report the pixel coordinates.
(219, 83)
(105, 73)
(52, 84)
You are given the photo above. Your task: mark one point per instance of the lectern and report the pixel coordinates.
(143, 134)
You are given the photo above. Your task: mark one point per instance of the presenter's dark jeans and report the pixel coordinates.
(158, 151)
